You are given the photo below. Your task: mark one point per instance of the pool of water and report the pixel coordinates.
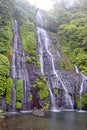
(65, 120)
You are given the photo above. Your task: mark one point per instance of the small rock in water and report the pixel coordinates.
(38, 112)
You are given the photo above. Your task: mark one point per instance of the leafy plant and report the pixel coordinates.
(4, 72)
(18, 105)
(19, 90)
(82, 102)
(9, 90)
(42, 88)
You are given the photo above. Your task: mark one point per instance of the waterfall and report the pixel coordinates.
(84, 78)
(44, 43)
(76, 69)
(18, 69)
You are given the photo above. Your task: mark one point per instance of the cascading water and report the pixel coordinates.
(76, 69)
(44, 49)
(18, 70)
(84, 78)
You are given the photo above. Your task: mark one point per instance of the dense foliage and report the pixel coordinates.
(41, 84)
(6, 22)
(82, 102)
(9, 90)
(4, 72)
(25, 14)
(19, 93)
(6, 36)
(69, 21)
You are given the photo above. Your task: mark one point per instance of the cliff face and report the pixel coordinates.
(34, 72)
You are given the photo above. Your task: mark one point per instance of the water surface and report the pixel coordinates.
(52, 121)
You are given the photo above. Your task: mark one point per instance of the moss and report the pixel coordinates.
(6, 23)
(9, 53)
(4, 72)
(18, 105)
(55, 91)
(78, 101)
(3, 85)
(1, 116)
(82, 103)
(46, 106)
(28, 59)
(9, 90)
(4, 65)
(66, 64)
(30, 97)
(38, 65)
(28, 38)
(19, 90)
(41, 84)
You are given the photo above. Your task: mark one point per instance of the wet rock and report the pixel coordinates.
(38, 112)
(54, 40)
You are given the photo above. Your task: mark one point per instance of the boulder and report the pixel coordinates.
(38, 112)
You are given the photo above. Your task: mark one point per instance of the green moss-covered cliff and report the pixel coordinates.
(69, 21)
(67, 27)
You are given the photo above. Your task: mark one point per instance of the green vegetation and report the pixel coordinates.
(6, 22)
(26, 17)
(4, 66)
(28, 59)
(18, 105)
(46, 106)
(28, 37)
(41, 84)
(4, 72)
(82, 103)
(19, 93)
(70, 24)
(30, 97)
(33, 60)
(9, 90)
(55, 91)
(6, 36)
(19, 90)
(1, 116)
(64, 63)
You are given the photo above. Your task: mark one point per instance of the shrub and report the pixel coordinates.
(4, 65)
(82, 103)
(41, 84)
(55, 91)
(19, 90)
(4, 72)
(46, 106)
(28, 59)
(18, 105)
(30, 97)
(9, 90)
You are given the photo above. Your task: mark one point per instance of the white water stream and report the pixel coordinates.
(18, 68)
(44, 38)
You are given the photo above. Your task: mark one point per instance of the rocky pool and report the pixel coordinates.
(64, 120)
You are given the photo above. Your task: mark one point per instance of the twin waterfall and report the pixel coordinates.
(18, 69)
(53, 78)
